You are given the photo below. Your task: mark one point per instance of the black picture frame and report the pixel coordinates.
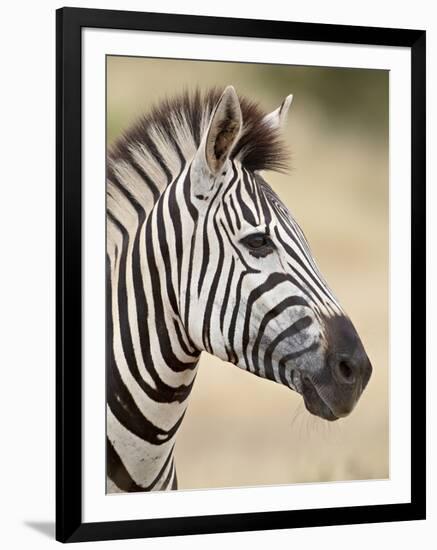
(69, 24)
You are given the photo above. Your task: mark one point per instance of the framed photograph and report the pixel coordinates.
(240, 275)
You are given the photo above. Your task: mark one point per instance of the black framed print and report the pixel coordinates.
(240, 274)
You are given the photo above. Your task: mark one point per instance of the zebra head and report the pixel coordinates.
(254, 295)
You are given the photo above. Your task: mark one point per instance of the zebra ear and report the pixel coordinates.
(278, 118)
(223, 130)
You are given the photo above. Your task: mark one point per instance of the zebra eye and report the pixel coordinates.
(258, 242)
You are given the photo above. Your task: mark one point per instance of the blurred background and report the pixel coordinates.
(241, 430)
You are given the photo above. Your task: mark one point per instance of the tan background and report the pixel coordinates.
(241, 430)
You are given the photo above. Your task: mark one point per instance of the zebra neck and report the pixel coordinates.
(151, 362)
(150, 378)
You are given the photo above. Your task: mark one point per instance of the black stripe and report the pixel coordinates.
(145, 176)
(187, 196)
(226, 193)
(175, 216)
(237, 217)
(251, 190)
(161, 227)
(231, 331)
(245, 211)
(174, 485)
(189, 279)
(227, 292)
(206, 336)
(228, 217)
(167, 479)
(187, 350)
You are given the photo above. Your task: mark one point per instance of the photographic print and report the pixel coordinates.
(240, 275)
(247, 274)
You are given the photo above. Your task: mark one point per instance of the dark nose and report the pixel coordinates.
(347, 358)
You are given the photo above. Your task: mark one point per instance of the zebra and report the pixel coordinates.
(202, 255)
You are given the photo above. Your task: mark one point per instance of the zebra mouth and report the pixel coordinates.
(314, 403)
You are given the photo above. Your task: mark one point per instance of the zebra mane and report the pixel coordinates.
(174, 128)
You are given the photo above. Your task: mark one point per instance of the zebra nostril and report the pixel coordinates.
(344, 371)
